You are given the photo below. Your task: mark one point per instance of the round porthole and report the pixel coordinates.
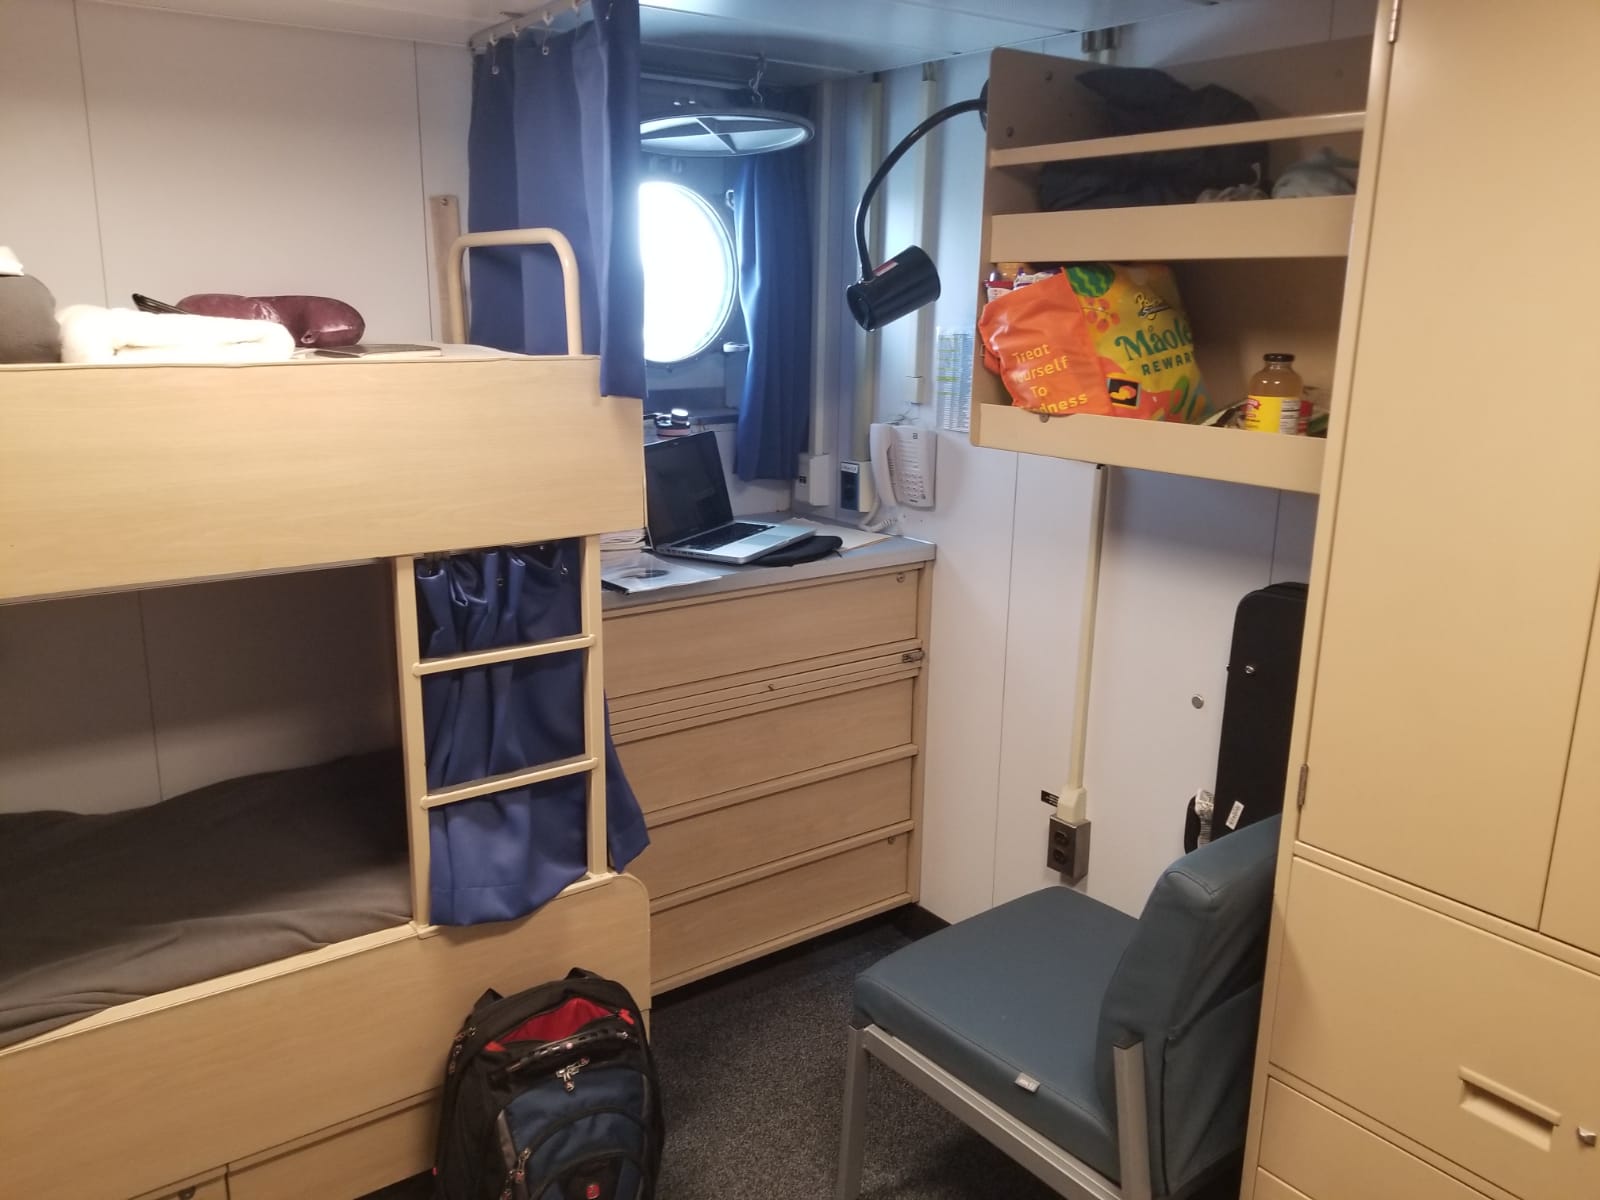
(690, 272)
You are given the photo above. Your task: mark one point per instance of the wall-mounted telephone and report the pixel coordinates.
(903, 458)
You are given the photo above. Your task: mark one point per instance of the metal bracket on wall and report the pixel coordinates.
(1098, 41)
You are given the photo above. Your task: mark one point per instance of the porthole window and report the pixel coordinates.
(690, 272)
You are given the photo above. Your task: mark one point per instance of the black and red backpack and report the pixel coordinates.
(551, 1094)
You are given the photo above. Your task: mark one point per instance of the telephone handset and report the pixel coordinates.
(903, 458)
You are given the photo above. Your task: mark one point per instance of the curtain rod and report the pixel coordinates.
(541, 14)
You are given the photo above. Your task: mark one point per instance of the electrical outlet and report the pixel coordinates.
(814, 483)
(1067, 850)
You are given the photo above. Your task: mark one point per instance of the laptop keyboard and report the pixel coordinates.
(720, 537)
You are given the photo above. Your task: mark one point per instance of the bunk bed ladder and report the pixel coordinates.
(414, 668)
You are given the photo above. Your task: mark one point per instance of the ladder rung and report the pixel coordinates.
(485, 658)
(513, 779)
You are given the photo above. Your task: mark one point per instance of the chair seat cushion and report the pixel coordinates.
(1013, 991)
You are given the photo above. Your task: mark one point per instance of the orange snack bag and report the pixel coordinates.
(1037, 340)
(1098, 338)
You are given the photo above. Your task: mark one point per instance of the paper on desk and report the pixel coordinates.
(850, 539)
(637, 572)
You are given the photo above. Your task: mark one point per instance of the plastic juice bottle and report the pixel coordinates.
(1276, 400)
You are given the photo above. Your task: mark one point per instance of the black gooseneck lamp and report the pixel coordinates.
(909, 280)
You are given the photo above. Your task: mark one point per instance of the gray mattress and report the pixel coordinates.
(99, 910)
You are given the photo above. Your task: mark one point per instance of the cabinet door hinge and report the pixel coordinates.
(1300, 794)
(1394, 20)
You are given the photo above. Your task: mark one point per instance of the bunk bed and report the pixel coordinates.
(312, 1073)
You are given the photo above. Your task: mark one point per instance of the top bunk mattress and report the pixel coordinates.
(98, 910)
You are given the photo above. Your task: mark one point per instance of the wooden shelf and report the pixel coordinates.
(1313, 227)
(1292, 464)
(1277, 129)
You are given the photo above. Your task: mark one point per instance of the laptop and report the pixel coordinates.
(687, 509)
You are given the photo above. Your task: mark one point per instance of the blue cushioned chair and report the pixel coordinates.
(1111, 1057)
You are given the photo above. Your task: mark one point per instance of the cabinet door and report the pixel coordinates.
(1572, 902)
(1467, 537)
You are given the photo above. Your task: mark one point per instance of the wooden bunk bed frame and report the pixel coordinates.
(315, 1075)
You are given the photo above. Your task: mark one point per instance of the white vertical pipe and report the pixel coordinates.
(871, 154)
(922, 330)
(1074, 805)
(825, 305)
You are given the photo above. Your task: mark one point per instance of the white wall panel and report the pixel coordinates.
(233, 157)
(256, 674)
(47, 203)
(75, 720)
(1048, 557)
(444, 111)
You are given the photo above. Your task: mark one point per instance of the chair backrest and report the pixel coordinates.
(1189, 987)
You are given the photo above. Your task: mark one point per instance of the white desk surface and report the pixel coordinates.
(891, 552)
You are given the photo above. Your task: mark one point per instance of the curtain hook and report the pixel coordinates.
(755, 82)
(494, 59)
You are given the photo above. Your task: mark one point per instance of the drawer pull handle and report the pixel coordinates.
(1508, 1110)
(1586, 1136)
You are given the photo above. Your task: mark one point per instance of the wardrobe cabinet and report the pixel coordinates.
(1572, 900)
(1431, 1018)
(1467, 542)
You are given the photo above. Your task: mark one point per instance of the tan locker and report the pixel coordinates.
(1572, 901)
(1466, 546)
(1330, 1158)
(1476, 1047)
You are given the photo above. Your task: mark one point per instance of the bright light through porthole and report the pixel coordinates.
(690, 275)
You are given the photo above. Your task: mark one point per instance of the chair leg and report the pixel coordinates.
(1133, 1117)
(852, 1139)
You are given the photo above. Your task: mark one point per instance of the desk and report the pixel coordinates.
(771, 722)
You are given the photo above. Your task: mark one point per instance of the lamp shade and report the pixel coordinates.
(902, 285)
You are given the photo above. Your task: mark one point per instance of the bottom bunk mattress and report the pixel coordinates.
(97, 910)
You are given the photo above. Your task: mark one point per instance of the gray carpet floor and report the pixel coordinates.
(752, 1076)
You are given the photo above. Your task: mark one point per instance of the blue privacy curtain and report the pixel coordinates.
(502, 855)
(772, 226)
(554, 142)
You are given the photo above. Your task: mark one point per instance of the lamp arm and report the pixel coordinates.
(939, 118)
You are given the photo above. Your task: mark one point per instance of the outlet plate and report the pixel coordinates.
(1067, 849)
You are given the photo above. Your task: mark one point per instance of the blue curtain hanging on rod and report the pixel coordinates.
(501, 856)
(554, 141)
(772, 228)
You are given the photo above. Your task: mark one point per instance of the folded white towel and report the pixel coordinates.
(8, 262)
(90, 334)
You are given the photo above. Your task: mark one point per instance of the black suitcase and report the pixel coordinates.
(1257, 711)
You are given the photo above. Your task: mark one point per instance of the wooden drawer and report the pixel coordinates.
(210, 1187)
(695, 939)
(1269, 1187)
(691, 764)
(749, 631)
(1478, 1048)
(1325, 1157)
(359, 1158)
(726, 841)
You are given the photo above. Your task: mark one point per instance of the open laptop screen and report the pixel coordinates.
(685, 491)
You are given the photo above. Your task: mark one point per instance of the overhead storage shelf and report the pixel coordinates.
(1313, 227)
(1276, 129)
(1267, 460)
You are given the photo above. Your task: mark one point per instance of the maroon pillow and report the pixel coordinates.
(313, 320)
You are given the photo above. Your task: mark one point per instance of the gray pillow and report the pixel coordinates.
(28, 329)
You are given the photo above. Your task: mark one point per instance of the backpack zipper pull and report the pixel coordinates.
(456, 1048)
(518, 1175)
(570, 1072)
